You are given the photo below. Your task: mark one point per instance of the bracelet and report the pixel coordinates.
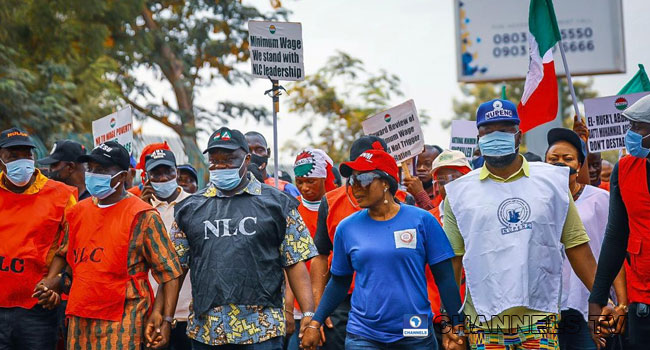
(289, 311)
(313, 327)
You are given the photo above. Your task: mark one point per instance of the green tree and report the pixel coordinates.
(189, 44)
(53, 66)
(475, 94)
(340, 95)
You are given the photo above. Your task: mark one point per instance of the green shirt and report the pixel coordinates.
(573, 234)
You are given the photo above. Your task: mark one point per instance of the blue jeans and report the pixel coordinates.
(357, 342)
(28, 329)
(573, 332)
(271, 344)
(293, 342)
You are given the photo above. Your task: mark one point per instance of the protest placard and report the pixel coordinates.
(607, 127)
(115, 126)
(400, 128)
(464, 136)
(276, 50)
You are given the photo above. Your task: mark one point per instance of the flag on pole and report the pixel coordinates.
(539, 102)
(638, 83)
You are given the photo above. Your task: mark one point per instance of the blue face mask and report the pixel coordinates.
(633, 143)
(99, 185)
(226, 179)
(497, 144)
(164, 189)
(20, 171)
(477, 162)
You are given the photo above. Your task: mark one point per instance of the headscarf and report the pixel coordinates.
(315, 163)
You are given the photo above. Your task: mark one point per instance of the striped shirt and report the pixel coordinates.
(149, 248)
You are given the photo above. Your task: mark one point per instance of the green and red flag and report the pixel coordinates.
(638, 83)
(539, 102)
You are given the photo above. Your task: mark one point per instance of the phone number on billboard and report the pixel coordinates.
(515, 44)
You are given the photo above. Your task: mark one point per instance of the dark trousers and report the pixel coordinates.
(271, 344)
(638, 327)
(28, 329)
(335, 337)
(356, 342)
(574, 332)
(179, 339)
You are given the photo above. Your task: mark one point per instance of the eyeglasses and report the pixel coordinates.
(363, 180)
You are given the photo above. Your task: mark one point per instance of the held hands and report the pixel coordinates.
(157, 331)
(453, 338)
(604, 322)
(310, 332)
(47, 292)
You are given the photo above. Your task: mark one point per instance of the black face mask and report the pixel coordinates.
(427, 184)
(571, 170)
(259, 160)
(501, 161)
(56, 176)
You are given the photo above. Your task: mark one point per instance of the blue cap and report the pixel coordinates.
(496, 111)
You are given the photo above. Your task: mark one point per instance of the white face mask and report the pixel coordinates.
(19, 172)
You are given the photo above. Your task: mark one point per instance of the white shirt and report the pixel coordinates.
(166, 211)
(593, 207)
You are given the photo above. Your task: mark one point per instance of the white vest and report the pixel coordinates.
(512, 232)
(593, 207)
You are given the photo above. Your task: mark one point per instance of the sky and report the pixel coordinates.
(414, 39)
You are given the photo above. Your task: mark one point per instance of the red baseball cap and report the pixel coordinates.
(372, 159)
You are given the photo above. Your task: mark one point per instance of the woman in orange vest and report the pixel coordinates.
(314, 177)
(627, 236)
(33, 224)
(114, 240)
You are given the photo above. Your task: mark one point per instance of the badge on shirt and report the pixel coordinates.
(416, 326)
(406, 238)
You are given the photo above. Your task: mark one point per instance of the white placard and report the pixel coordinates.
(464, 136)
(607, 127)
(115, 126)
(276, 50)
(492, 38)
(400, 128)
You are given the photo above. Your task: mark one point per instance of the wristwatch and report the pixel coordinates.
(171, 320)
(308, 314)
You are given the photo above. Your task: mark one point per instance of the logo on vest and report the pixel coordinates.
(513, 213)
(15, 265)
(82, 255)
(221, 227)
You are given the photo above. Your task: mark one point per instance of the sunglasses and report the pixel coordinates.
(363, 180)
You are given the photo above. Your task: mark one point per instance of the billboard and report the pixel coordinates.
(492, 38)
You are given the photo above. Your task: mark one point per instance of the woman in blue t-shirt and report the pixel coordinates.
(387, 245)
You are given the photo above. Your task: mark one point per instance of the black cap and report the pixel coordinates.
(64, 151)
(190, 169)
(363, 144)
(159, 157)
(227, 138)
(15, 137)
(561, 134)
(107, 154)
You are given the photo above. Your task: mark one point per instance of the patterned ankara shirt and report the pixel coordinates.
(246, 324)
(149, 248)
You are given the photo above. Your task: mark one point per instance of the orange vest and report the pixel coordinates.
(310, 218)
(604, 185)
(29, 223)
(271, 182)
(633, 184)
(97, 253)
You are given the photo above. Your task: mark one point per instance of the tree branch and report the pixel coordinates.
(147, 111)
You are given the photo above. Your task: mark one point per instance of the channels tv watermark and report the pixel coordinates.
(416, 326)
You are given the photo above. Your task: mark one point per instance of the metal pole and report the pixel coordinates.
(568, 77)
(276, 109)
